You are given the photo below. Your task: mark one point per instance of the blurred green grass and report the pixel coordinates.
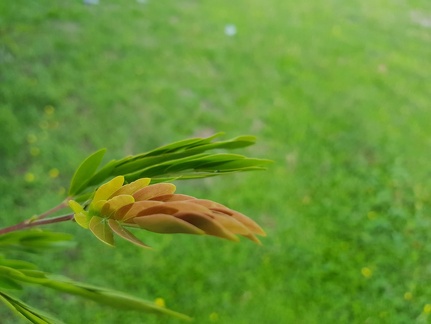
(338, 95)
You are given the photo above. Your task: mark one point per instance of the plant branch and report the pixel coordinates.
(35, 222)
(60, 206)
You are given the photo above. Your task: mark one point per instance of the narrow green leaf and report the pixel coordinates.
(175, 147)
(173, 152)
(8, 283)
(103, 174)
(156, 162)
(32, 314)
(17, 264)
(34, 240)
(84, 172)
(109, 297)
(99, 295)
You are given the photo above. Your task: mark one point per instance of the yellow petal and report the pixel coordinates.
(76, 207)
(115, 203)
(106, 190)
(96, 207)
(131, 188)
(82, 219)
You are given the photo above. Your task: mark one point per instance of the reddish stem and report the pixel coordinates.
(36, 222)
(62, 205)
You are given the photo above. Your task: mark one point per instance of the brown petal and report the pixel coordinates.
(126, 212)
(173, 197)
(230, 223)
(249, 223)
(207, 224)
(154, 190)
(159, 209)
(188, 207)
(252, 225)
(162, 223)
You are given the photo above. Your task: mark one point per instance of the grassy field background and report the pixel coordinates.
(338, 95)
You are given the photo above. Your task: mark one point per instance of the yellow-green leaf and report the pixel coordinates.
(125, 234)
(131, 188)
(85, 171)
(100, 228)
(76, 207)
(106, 190)
(82, 219)
(115, 203)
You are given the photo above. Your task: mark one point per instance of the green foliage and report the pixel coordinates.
(34, 241)
(85, 171)
(114, 207)
(15, 273)
(337, 93)
(177, 161)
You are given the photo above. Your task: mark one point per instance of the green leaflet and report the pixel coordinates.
(84, 172)
(155, 162)
(102, 296)
(26, 311)
(109, 297)
(8, 283)
(203, 165)
(34, 240)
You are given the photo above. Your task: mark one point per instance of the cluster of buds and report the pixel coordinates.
(157, 208)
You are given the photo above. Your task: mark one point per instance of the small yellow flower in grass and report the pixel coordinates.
(160, 302)
(44, 125)
(53, 173)
(29, 177)
(384, 314)
(214, 317)
(49, 110)
(372, 215)
(31, 138)
(34, 151)
(157, 208)
(427, 309)
(408, 296)
(366, 272)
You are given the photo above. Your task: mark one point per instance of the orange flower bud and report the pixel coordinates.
(157, 208)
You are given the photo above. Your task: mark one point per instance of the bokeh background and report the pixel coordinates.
(338, 94)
